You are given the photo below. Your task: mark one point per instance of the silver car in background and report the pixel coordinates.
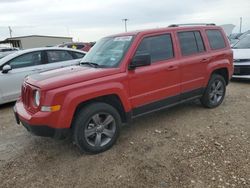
(14, 67)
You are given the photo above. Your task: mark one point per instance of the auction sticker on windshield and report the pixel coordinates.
(124, 38)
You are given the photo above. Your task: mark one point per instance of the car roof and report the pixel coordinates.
(173, 28)
(21, 52)
(50, 48)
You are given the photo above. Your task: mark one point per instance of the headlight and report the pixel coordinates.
(37, 98)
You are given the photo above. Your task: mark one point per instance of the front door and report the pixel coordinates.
(156, 85)
(21, 66)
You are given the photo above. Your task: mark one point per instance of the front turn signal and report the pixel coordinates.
(50, 108)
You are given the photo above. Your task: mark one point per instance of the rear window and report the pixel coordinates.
(191, 42)
(216, 40)
(78, 55)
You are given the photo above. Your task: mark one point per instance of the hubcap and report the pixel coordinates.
(100, 129)
(216, 92)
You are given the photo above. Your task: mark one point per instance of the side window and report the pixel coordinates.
(78, 55)
(159, 47)
(191, 42)
(26, 60)
(199, 41)
(58, 55)
(215, 39)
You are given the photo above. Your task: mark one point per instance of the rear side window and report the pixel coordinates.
(191, 42)
(216, 40)
(159, 47)
(58, 55)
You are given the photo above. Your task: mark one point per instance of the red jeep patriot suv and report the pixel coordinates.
(125, 76)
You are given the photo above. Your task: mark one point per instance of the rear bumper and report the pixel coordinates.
(22, 117)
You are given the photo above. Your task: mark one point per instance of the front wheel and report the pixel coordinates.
(96, 127)
(215, 92)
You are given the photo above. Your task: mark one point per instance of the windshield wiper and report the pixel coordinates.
(95, 65)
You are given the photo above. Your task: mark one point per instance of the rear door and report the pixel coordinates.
(154, 86)
(193, 62)
(59, 59)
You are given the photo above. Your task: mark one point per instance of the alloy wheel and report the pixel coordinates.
(100, 129)
(216, 92)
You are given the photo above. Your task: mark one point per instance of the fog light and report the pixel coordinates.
(50, 108)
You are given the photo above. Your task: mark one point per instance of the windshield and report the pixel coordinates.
(243, 43)
(108, 52)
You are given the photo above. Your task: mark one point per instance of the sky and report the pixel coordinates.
(89, 20)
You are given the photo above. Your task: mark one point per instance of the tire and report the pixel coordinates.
(215, 92)
(96, 127)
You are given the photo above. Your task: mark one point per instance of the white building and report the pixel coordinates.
(34, 41)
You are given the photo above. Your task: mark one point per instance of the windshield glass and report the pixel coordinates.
(108, 52)
(243, 43)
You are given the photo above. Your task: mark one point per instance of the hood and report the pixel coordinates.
(241, 53)
(66, 76)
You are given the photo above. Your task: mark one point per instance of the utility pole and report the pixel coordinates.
(10, 31)
(240, 23)
(125, 22)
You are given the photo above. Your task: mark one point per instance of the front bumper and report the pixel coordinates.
(241, 76)
(22, 117)
(241, 71)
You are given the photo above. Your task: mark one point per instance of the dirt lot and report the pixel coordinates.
(186, 146)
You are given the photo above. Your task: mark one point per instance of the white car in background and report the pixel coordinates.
(242, 58)
(16, 66)
(6, 51)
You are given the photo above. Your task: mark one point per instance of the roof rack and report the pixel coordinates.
(206, 24)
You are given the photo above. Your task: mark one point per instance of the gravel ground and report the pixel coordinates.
(186, 146)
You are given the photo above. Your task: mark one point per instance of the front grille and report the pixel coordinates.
(27, 97)
(241, 70)
(26, 90)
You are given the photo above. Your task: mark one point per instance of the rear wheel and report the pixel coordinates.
(96, 127)
(215, 92)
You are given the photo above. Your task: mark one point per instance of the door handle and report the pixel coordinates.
(205, 60)
(171, 68)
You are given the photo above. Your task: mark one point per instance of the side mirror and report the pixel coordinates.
(6, 69)
(140, 60)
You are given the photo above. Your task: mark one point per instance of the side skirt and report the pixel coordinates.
(167, 103)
